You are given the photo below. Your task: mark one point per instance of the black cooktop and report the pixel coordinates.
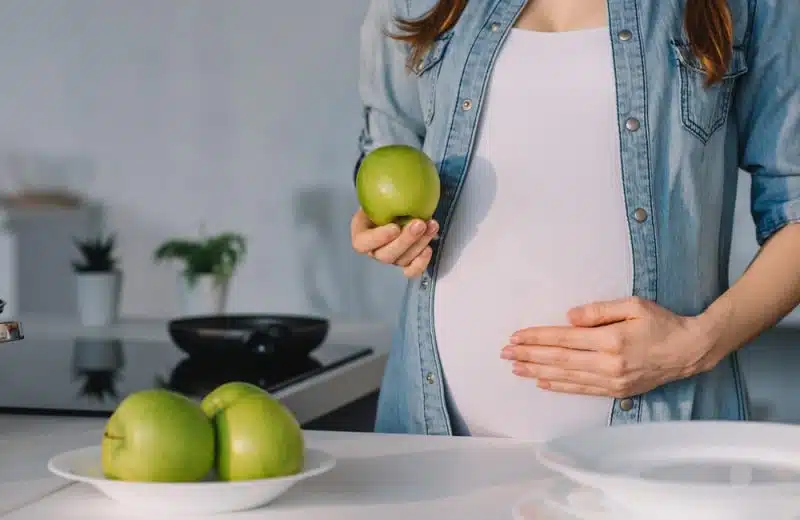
(89, 377)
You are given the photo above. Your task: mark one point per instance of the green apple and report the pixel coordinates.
(257, 436)
(158, 436)
(226, 394)
(397, 183)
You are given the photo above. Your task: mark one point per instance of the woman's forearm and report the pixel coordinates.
(767, 291)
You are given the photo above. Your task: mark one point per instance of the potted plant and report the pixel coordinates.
(98, 281)
(208, 265)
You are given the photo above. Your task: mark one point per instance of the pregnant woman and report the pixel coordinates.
(575, 272)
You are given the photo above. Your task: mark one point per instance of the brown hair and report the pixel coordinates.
(709, 26)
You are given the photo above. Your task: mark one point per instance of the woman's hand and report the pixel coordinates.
(407, 248)
(619, 348)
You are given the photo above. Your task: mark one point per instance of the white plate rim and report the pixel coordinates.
(328, 462)
(548, 456)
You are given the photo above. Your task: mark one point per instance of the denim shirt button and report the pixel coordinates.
(423, 283)
(625, 35)
(494, 27)
(640, 215)
(632, 124)
(466, 105)
(626, 405)
(429, 378)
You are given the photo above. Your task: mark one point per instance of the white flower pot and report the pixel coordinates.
(98, 297)
(203, 297)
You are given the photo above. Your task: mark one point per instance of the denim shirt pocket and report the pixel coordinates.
(705, 109)
(427, 71)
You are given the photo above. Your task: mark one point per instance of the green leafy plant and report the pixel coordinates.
(217, 256)
(97, 255)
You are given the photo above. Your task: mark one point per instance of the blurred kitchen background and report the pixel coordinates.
(177, 116)
(155, 119)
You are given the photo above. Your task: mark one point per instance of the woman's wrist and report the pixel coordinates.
(768, 290)
(716, 334)
(725, 327)
(714, 327)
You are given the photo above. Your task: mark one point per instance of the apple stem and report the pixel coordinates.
(112, 437)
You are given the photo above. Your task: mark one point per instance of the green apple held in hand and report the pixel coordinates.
(257, 436)
(397, 183)
(158, 436)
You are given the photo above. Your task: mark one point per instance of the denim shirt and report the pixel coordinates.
(681, 146)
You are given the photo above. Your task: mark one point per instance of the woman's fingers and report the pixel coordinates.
(365, 237)
(391, 252)
(419, 246)
(419, 264)
(408, 248)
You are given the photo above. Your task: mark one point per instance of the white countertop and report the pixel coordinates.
(385, 477)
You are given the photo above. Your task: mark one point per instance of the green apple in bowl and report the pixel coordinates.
(397, 183)
(226, 394)
(257, 437)
(157, 436)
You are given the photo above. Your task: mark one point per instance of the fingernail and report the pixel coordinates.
(418, 227)
(515, 340)
(433, 227)
(506, 353)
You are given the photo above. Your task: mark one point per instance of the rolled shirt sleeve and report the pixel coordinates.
(767, 111)
(391, 107)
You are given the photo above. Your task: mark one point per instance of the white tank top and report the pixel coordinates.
(540, 227)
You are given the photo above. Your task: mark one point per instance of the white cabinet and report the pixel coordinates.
(45, 250)
(8, 269)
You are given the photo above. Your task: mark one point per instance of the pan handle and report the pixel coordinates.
(267, 341)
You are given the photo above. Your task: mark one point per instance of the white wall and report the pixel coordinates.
(234, 114)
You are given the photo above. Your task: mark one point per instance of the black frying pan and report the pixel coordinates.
(235, 336)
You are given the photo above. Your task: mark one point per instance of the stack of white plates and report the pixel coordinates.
(692, 470)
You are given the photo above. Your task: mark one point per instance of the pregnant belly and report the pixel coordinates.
(492, 283)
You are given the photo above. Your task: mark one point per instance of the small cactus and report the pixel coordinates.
(97, 255)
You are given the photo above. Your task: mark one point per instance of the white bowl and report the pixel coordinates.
(197, 498)
(703, 470)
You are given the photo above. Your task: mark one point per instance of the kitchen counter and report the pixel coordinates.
(767, 363)
(309, 400)
(386, 477)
